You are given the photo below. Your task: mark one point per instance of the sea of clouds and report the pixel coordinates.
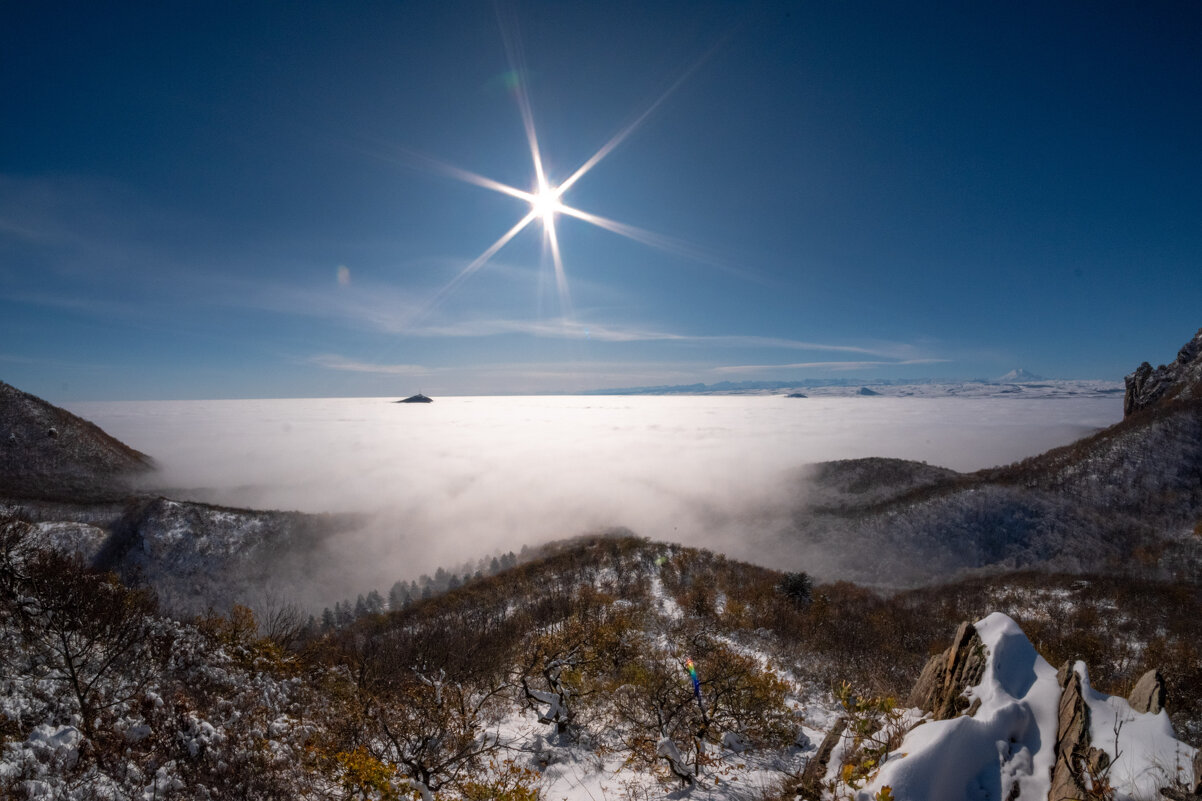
(461, 478)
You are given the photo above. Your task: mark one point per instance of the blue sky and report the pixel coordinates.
(259, 200)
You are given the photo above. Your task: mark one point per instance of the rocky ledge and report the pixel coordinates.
(1180, 380)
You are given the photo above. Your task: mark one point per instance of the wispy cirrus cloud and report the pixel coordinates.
(827, 365)
(574, 329)
(332, 361)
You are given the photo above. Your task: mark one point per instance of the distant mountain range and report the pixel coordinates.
(906, 386)
(1029, 386)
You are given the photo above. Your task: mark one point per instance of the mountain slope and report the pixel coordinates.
(604, 668)
(47, 452)
(1135, 487)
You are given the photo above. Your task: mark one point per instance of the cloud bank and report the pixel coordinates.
(467, 477)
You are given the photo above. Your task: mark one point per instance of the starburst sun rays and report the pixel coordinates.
(546, 200)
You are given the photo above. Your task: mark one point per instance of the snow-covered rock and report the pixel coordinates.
(1006, 749)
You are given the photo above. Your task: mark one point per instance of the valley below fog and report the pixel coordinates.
(443, 483)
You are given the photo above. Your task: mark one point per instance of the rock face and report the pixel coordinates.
(810, 787)
(1076, 759)
(1180, 380)
(1031, 733)
(941, 687)
(1148, 694)
(47, 452)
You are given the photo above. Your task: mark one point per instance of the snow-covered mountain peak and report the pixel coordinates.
(1019, 375)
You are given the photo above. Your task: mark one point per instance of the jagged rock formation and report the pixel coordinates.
(1002, 723)
(1180, 380)
(1078, 764)
(940, 690)
(47, 452)
(1148, 694)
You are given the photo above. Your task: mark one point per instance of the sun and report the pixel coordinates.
(545, 199)
(544, 202)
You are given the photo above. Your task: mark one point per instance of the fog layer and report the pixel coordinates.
(461, 478)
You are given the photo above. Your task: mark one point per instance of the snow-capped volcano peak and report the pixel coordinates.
(1018, 374)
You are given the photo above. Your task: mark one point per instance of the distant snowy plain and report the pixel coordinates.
(464, 476)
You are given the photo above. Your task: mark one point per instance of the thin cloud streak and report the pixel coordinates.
(560, 329)
(332, 361)
(852, 365)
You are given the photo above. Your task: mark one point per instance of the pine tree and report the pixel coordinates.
(397, 595)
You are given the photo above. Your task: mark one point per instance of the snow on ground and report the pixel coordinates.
(665, 604)
(81, 539)
(599, 771)
(1145, 755)
(1010, 741)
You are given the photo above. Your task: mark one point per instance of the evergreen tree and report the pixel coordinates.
(397, 595)
(797, 587)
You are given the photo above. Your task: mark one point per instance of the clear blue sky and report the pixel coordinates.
(255, 199)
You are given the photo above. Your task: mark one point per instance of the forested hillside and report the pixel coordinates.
(569, 671)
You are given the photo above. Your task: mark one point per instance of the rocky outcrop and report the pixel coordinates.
(1148, 694)
(1077, 762)
(1078, 767)
(1181, 380)
(47, 452)
(940, 690)
(810, 787)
